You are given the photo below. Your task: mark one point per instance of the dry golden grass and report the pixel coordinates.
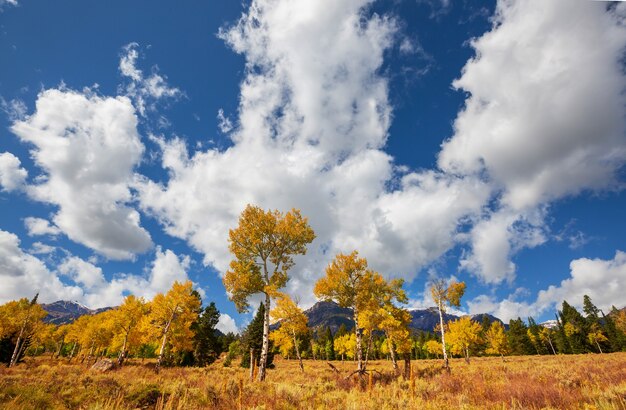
(530, 382)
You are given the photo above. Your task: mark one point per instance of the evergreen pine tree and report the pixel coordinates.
(576, 328)
(561, 341)
(617, 339)
(329, 345)
(206, 346)
(519, 342)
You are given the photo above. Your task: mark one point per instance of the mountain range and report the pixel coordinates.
(329, 314)
(63, 312)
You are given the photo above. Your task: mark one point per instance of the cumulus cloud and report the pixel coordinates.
(144, 90)
(87, 146)
(498, 237)
(602, 280)
(24, 275)
(227, 324)
(40, 226)
(544, 118)
(313, 120)
(39, 248)
(166, 268)
(12, 175)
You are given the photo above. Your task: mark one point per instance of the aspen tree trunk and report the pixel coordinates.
(467, 359)
(19, 342)
(19, 353)
(367, 352)
(252, 364)
(443, 338)
(295, 343)
(72, 352)
(164, 342)
(392, 353)
(407, 365)
(122, 355)
(266, 337)
(551, 346)
(599, 348)
(359, 347)
(93, 343)
(59, 350)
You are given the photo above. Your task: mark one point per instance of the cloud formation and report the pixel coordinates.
(144, 90)
(87, 146)
(313, 120)
(602, 280)
(544, 118)
(12, 175)
(40, 226)
(23, 274)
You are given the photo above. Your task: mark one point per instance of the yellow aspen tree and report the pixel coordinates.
(497, 343)
(60, 334)
(293, 324)
(264, 244)
(395, 323)
(463, 334)
(433, 347)
(446, 295)
(595, 336)
(341, 345)
(173, 313)
(22, 315)
(545, 335)
(348, 282)
(126, 319)
(42, 336)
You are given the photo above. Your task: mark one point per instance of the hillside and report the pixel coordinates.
(64, 311)
(330, 314)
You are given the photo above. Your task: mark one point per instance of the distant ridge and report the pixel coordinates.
(63, 312)
(330, 314)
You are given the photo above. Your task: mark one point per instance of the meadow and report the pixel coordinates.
(592, 381)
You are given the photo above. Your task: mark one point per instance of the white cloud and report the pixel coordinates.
(12, 175)
(223, 122)
(602, 280)
(39, 226)
(39, 248)
(144, 90)
(544, 118)
(227, 324)
(88, 147)
(82, 273)
(24, 275)
(313, 119)
(15, 109)
(496, 239)
(7, 2)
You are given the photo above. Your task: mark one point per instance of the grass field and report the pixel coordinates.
(527, 382)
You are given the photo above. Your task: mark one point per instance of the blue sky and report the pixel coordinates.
(482, 141)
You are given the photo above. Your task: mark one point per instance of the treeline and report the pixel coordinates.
(172, 327)
(573, 332)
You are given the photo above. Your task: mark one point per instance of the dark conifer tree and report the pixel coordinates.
(518, 339)
(206, 346)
